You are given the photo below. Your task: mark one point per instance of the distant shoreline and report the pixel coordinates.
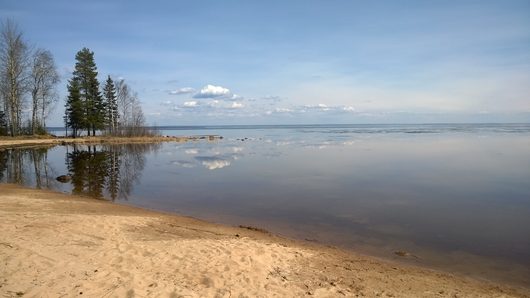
(25, 141)
(310, 125)
(53, 243)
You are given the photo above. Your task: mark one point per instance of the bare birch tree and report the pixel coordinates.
(131, 116)
(123, 95)
(14, 62)
(43, 81)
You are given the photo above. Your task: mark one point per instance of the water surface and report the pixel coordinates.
(454, 196)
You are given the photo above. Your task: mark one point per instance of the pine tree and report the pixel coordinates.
(94, 107)
(75, 110)
(111, 102)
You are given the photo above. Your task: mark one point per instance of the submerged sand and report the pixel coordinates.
(54, 244)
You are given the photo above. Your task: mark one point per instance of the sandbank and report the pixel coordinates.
(27, 141)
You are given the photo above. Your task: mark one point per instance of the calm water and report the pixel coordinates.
(455, 196)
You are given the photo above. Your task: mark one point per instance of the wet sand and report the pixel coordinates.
(54, 244)
(28, 141)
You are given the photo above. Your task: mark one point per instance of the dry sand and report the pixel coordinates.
(55, 245)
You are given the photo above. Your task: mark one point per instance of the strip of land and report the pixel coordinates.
(11, 142)
(54, 244)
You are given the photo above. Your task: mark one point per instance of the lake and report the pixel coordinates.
(452, 196)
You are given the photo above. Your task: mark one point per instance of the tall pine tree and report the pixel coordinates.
(85, 73)
(75, 110)
(111, 102)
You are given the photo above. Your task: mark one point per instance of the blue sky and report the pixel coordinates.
(288, 62)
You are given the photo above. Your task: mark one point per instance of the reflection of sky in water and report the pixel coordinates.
(211, 156)
(456, 190)
(440, 189)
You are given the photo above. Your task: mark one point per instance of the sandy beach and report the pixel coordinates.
(56, 245)
(14, 142)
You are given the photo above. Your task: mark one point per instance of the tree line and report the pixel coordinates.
(28, 79)
(28, 91)
(114, 110)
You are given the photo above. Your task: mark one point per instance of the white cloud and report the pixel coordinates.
(273, 98)
(319, 106)
(236, 105)
(190, 104)
(279, 111)
(185, 90)
(311, 109)
(235, 97)
(211, 91)
(283, 110)
(213, 103)
(323, 107)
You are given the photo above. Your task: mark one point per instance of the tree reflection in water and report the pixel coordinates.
(27, 166)
(107, 171)
(100, 171)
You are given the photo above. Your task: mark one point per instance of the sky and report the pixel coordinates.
(297, 62)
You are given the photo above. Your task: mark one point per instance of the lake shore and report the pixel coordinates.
(28, 141)
(57, 244)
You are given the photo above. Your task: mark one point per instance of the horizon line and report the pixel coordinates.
(322, 124)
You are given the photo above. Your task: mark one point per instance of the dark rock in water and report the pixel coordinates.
(405, 254)
(401, 253)
(64, 178)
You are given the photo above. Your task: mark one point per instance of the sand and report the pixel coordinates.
(55, 245)
(27, 141)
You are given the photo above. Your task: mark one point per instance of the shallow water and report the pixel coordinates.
(453, 196)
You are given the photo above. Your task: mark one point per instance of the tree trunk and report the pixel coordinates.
(34, 114)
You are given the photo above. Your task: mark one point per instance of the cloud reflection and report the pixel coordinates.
(222, 155)
(191, 151)
(183, 164)
(213, 162)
